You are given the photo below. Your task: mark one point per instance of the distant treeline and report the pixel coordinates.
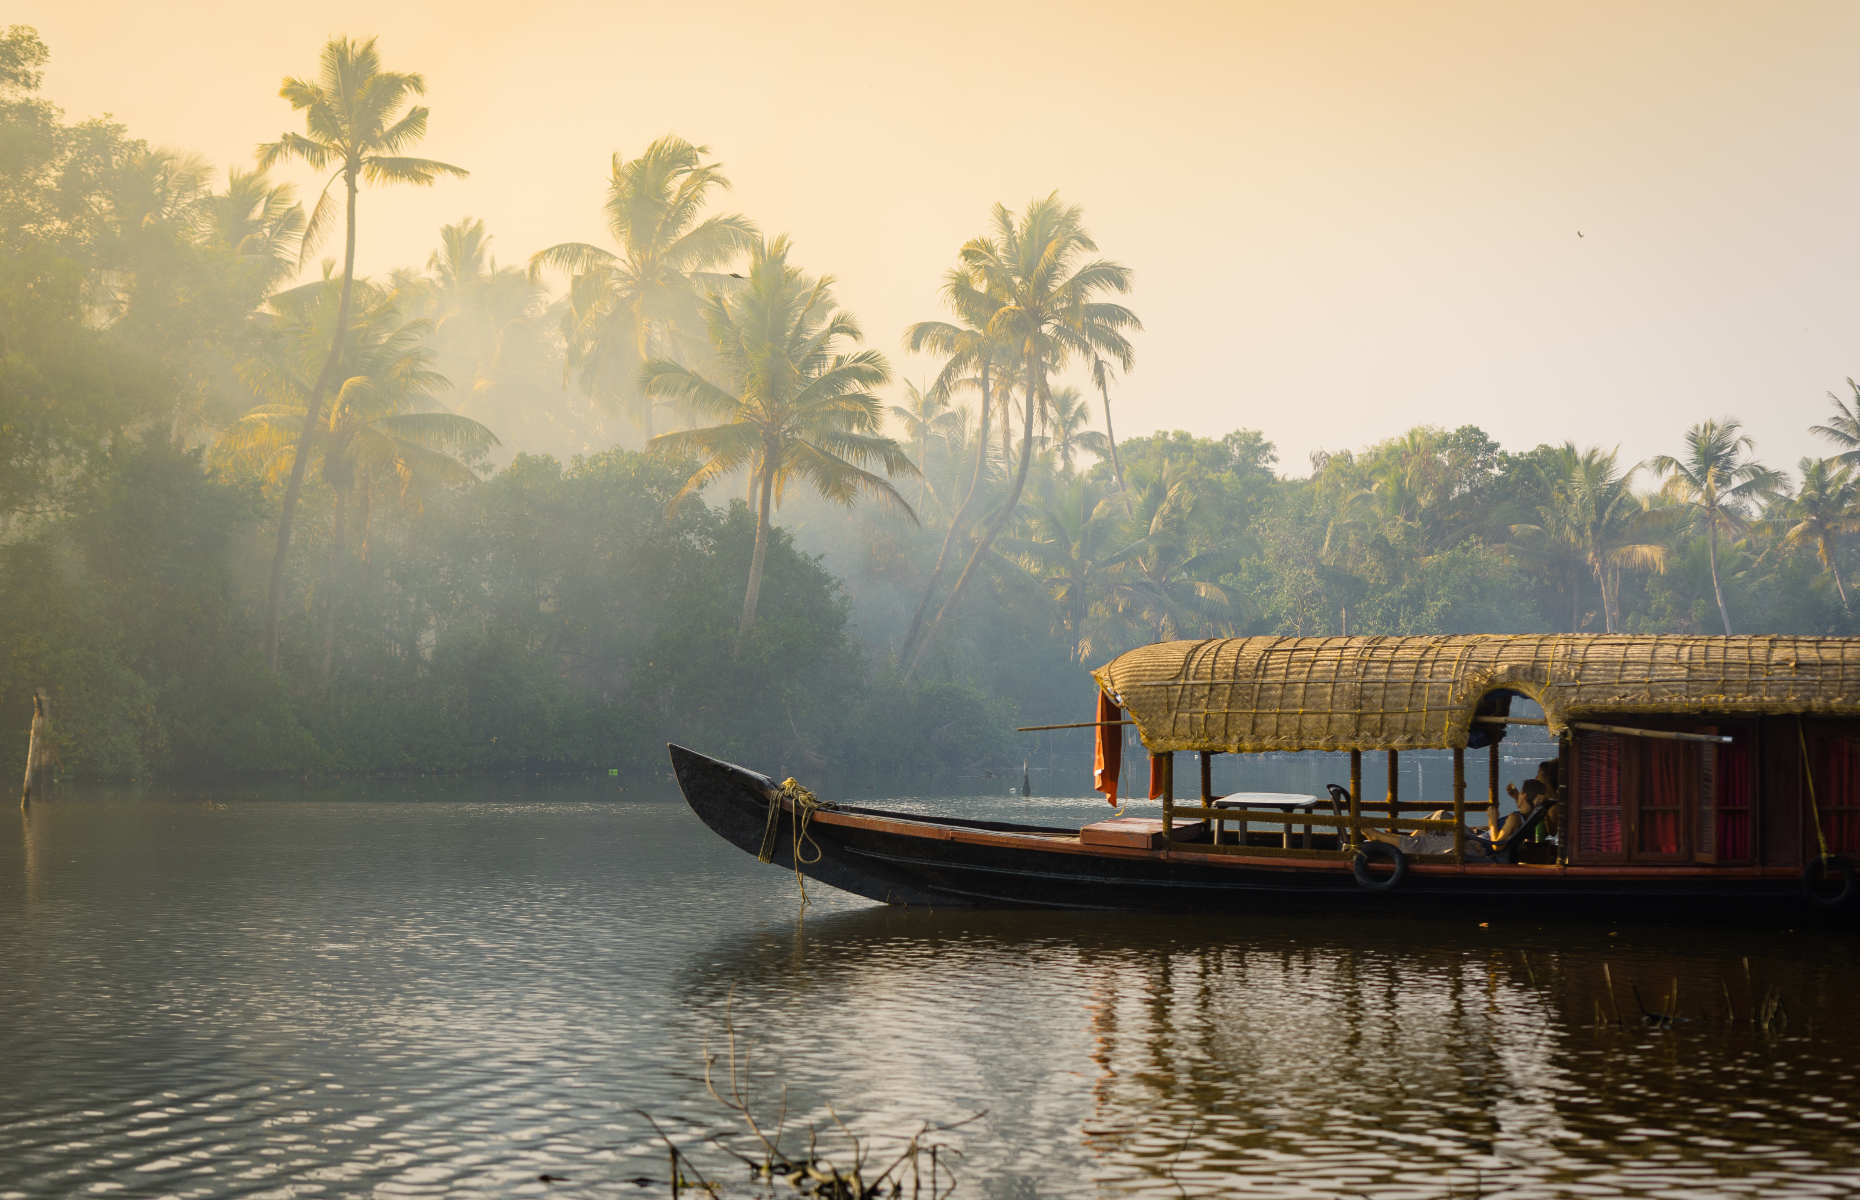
(451, 519)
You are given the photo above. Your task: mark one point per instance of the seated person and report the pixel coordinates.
(1529, 797)
(1533, 795)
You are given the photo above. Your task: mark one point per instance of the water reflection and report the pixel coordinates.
(1311, 1058)
(451, 990)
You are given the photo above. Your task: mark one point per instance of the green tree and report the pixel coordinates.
(1075, 544)
(1843, 428)
(489, 335)
(353, 120)
(1718, 480)
(1822, 511)
(624, 308)
(381, 434)
(787, 400)
(1068, 431)
(1042, 294)
(926, 416)
(973, 357)
(1592, 511)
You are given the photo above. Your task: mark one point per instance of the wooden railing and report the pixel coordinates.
(1385, 815)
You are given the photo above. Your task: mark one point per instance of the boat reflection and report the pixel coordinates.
(1314, 1057)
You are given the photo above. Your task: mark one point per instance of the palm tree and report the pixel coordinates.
(623, 308)
(1718, 480)
(1592, 509)
(489, 335)
(1101, 379)
(1821, 512)
(353, 120)
(926, 416)
(972, 357)
(787, 398)
(1042, 295)
(258, 221)
(1168, 580)
(1843, 428)
(1075, 546)
(1067, 430)
(382, 431)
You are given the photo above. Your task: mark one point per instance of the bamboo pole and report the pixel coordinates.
(1394, 782)
(1491, 783)
(1356, 798)
(1070, 725)
(1459, 804)
(1662, 735)
(1167, 764)
(1278, 816)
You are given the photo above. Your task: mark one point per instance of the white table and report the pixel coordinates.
(1287, 802)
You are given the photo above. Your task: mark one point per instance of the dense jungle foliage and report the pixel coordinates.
(472, 516)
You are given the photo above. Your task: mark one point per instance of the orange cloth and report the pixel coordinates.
(1156, 775)
(1109, 755)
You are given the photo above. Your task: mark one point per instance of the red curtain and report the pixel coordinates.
(1838, 796)
(1598, 775)
(1734, 794)
(1109, 756)
(1668, 787)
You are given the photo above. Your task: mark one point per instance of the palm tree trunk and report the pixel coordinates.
(757, 556)
(1711, 541)
(313, 411)
(995, 524)
(1827, 556)
(330, 587)
(642, 336)
(957, 523)
(1117, 468)
(1007, 435)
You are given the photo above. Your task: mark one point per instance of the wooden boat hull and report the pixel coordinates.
(904, 859)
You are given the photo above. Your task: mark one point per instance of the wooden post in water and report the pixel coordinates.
(1394, 788)
(38, 751)
(1356, 798)
(1459, 804)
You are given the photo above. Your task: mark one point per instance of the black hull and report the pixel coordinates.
(901, 859)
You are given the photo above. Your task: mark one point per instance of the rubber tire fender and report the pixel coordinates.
(1822, 868)
(1398, 866)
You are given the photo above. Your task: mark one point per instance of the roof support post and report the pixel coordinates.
(1207, 776)
(1459, 805)
(1491, 776)
(1166, 761)
(1356, 799)
(1394, 788)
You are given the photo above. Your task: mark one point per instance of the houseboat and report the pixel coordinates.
(1692, 777)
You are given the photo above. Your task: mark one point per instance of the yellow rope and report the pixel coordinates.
(1814, 809)
(804, 803)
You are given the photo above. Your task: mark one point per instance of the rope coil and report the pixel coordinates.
(794, 794)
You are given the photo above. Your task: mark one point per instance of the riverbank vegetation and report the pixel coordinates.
(472, 516)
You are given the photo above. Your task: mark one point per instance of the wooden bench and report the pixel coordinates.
(1141, 833)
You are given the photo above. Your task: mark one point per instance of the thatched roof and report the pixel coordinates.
(1402, 693)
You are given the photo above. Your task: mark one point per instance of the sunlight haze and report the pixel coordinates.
(1587, 222)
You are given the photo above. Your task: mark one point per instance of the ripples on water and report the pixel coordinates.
(439, 990)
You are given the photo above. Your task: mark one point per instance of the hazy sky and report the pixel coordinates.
(1588, 221)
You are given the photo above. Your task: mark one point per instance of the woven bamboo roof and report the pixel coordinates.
(1240, 695)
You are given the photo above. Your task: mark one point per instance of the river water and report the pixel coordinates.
(458, 988)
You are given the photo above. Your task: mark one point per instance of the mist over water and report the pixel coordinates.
(452, 989)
